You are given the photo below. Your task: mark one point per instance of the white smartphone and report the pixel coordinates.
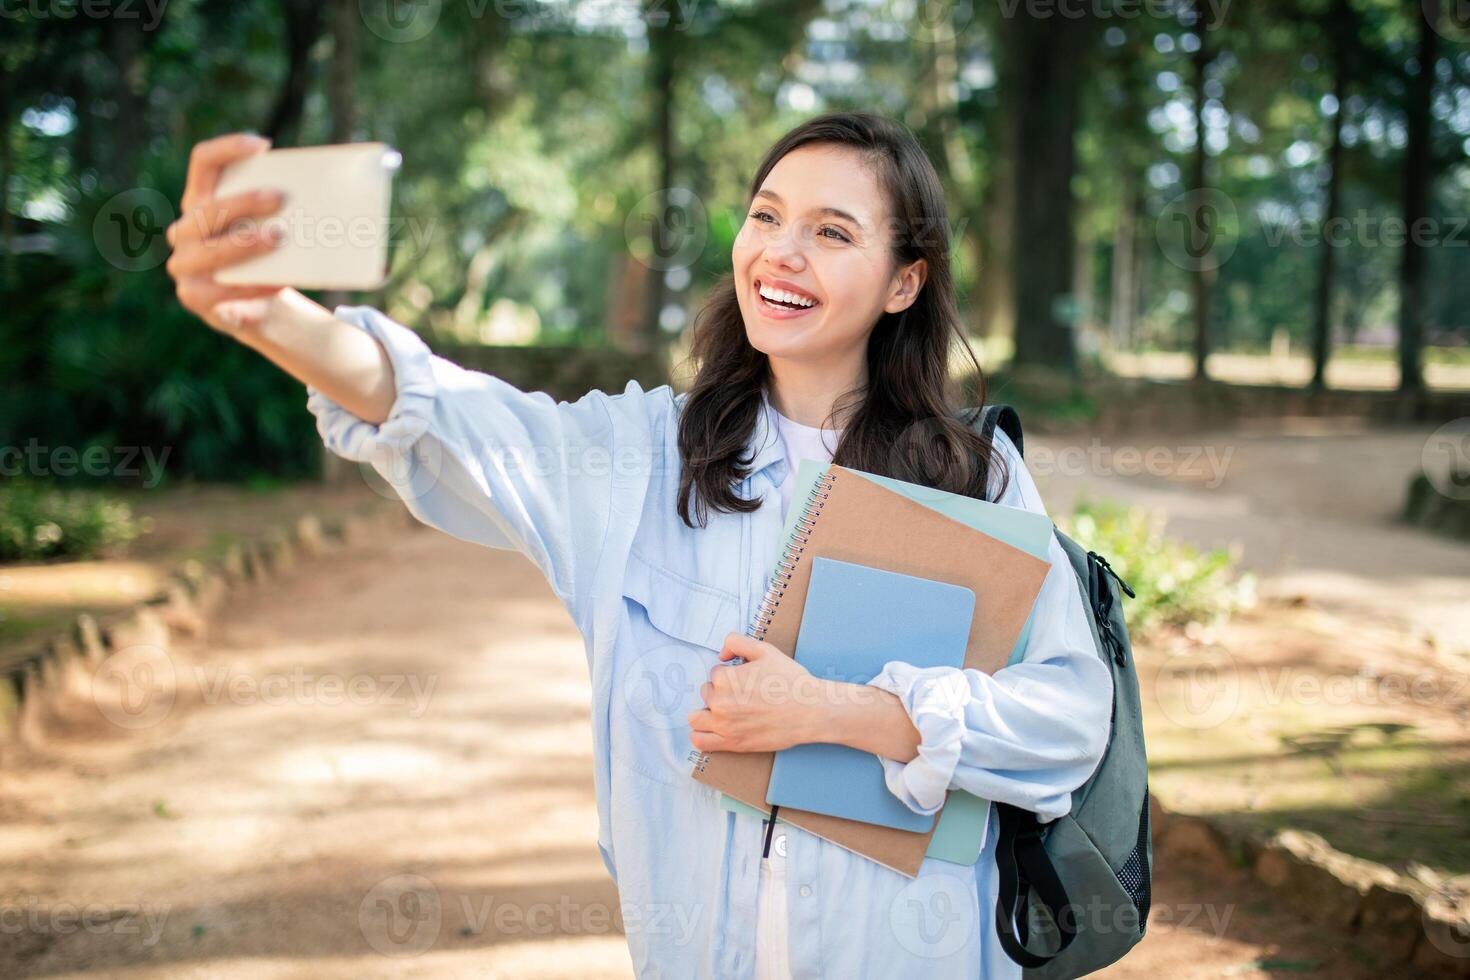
(335, 217)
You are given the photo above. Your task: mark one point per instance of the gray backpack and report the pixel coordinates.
(1081, 883)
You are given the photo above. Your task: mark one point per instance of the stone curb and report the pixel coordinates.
(1418, 921)
(184, 606)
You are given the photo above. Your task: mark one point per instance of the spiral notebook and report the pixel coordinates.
(850, 516)
(857, 619)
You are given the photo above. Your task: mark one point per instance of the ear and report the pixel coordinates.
(907, 283)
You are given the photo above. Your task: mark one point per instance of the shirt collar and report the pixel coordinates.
(766, 444)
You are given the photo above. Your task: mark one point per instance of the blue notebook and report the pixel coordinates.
(857, 619)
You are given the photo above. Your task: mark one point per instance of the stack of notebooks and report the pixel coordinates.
(874, 570)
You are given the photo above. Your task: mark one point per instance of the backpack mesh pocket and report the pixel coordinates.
(1134, 875)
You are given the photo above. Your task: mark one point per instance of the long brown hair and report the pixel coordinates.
(904, 424)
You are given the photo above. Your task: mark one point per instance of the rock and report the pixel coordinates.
(1444, 946)
(1196, 842)
(141, 627)
(309, 536)
(89, 637)
(1326, 884)
(1388, 920)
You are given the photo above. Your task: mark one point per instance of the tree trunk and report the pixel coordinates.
(1044, 70)
(1327, 266)
(996, 305)
(303, 27)
(7, 164)
(661, 51)
(1123, 306)
(125, 44)
(1203, 281)
(1418, 178)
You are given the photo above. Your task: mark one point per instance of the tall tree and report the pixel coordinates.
(303, 27)
(1340, 29)
(663, 54)
(1418, 177)
(1044, 67)
(1203, 281)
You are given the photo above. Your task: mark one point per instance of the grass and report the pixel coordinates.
(198, 521)
(1237, 736)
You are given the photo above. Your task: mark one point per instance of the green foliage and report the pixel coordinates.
(1175, 583)
(39, 521)
(99, 357)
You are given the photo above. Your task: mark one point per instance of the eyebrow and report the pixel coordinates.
(834, 212)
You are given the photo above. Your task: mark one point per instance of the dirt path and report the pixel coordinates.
(385, 771)
(1313, 503)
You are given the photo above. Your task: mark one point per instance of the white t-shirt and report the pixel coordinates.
(772, 957)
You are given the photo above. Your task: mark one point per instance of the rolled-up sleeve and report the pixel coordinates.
(476, 457)
(1030, 733)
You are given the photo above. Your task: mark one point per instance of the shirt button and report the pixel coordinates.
(806, 891)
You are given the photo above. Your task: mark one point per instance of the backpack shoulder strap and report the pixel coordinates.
(1010, 423)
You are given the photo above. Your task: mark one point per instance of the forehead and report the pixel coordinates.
(814, 178)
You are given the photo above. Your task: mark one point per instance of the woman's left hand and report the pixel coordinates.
(766, 704)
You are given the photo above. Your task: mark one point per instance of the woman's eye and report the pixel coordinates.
(837, 233)
(758, 215)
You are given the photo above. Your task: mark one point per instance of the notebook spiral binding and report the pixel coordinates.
(781, 577)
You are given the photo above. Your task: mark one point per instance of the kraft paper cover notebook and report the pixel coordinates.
(851, 518)
(856, 620)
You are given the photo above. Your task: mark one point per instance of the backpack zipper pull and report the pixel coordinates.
(1121, 584)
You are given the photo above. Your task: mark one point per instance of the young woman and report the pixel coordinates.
(656, 517)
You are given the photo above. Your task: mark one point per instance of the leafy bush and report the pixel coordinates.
(39, 521)
(1175, 583)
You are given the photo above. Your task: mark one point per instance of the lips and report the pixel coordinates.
(776, 312)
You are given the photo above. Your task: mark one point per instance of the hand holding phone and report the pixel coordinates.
(335, 218)
(213, 232)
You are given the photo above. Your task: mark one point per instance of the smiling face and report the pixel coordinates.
(816, 240)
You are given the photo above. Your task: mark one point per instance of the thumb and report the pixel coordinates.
(740, 645)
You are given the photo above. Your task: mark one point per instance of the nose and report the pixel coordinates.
(785, 249)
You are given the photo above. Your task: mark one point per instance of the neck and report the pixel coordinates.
(805, 392)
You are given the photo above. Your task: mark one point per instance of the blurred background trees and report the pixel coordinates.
(1125, 177)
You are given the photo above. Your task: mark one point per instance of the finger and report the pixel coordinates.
(203, 293)
(211, 156)
(740, 645)
(709, 742)
(704, 691)
(215, 215)
(197, 258)
(701, 720)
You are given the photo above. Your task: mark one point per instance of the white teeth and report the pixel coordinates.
(783, 296)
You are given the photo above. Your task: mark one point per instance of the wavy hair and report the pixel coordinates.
(904, 424)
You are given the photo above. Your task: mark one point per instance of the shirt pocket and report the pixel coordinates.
(673, 634)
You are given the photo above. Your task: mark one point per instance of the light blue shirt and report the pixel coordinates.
(588, 491)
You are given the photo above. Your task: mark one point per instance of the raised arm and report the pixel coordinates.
(469, 453)
(300, 336)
